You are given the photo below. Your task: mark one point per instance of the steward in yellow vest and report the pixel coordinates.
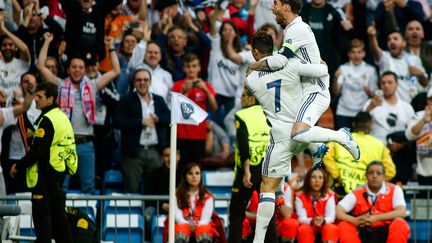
(346, 173)
(52, 154)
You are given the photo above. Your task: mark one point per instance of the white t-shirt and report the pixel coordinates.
(223, 74)
(10, 76)
(424, 162)
(300, 37)
(388, 118)
(280, 93)
(349, 201)
(16, 146)
(353, 78)
(264, 14)
(148, 134)
(408, 86)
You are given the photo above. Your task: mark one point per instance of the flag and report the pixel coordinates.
(185, 111)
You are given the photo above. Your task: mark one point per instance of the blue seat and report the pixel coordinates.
(112, 182)
(123, 206)
(157, 227)
(421, 232)
(123, 228)
(218, 182)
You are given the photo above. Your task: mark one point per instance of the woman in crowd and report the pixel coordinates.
(194, 208)
(316, 208)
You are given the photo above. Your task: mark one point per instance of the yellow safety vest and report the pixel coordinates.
(353, 172)
(62, 151)
(258, 134)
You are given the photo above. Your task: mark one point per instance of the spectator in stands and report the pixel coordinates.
(77, 98)
(274, 33)
(420, 129)
(11, 68)
(394, 15)
(16, 139)
(33, 27)
(417, 45)
(148, 55)
(137, 9)
(315, 207)
(356, 82)
(390, 117)
(143, 119)
(348, 174)
(84, 33)
(161, 175)
(225, 62)
(217, 147)
(252, 137)
(264, 14)
(408, 69)
(129, 41)
(191, 139)
(324, 29)
(374, 212)
(194, 208)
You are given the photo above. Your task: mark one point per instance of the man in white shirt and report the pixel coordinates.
(373, 212)
(299, 41)
(12, 68)
(408, 68)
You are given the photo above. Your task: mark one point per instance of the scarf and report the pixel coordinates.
(66, 100)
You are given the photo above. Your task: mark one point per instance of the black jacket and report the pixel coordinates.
(74, 17)
(128, 118)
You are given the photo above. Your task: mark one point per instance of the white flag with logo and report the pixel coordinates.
(185, 111)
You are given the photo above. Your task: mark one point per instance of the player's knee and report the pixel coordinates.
(269, 184)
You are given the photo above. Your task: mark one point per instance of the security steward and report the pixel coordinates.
(52, 154)
(252, 138)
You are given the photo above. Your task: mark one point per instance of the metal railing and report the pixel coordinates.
(113, 213)
(118, 210)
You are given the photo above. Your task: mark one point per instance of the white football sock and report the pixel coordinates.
(317, 134)
(265, 212)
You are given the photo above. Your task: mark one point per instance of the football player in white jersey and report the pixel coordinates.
(280, 95)
(299, 41)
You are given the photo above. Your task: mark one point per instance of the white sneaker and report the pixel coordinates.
(349, 143)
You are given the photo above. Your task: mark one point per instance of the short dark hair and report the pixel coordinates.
(361, 120)
(389, 73)
(375, 162)
(189, 57)
(262, 42)
(51, 90)
(295, 5)
(29, 73)
(140, 70)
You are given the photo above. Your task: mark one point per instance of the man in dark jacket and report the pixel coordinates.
(143, 119)
(84, 34)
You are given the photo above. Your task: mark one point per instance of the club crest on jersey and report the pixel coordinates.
(186, 109)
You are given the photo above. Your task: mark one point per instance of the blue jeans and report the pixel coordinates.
(86, 168)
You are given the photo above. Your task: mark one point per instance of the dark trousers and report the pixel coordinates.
(48, 208)
(190, 151)
(427, 181)
(240, 197)
(343, 121)
(16, 184)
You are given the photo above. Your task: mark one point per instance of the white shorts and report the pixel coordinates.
(277, 161)
(313, 106)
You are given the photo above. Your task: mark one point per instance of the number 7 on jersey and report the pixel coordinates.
(277, 85)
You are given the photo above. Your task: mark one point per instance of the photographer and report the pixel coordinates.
(192, 139)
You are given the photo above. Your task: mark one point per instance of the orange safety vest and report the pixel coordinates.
(195, 213)
(383, 203)
(315, 208)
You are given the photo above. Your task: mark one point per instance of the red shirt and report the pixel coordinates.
(198, 96)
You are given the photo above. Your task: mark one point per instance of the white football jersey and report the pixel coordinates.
(300, 39)
(280, 93)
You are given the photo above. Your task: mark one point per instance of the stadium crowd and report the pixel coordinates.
(115, 63)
